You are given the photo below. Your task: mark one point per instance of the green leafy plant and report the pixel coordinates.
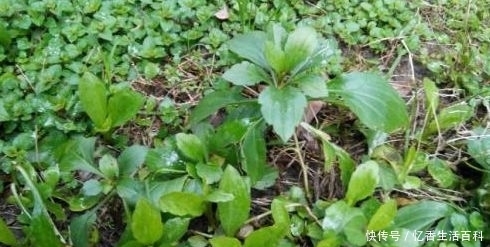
(290, 65)
(107, 109)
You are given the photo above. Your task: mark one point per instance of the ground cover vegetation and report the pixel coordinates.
(244, 123)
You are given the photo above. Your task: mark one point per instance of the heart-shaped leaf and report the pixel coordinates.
(283, 109)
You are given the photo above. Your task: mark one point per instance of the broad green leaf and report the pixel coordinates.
(210, 173)
(175, 229)
(108, 166)
(412, 182)
(251, 47)
(300, 45)
(330, 241)
(372, 99)
(230, 132)
(440, 171)
(276, 58)
(164, 160)
(82, 203)
(78, 155)
(91, 187)
(420, 216)
(191, 146)
(431, 95)
(197, 241)
(213, 102)
(93, 97)
(123, 105)
(338, 215)
(130, 189)
(133, 244)
(271, 235)
(183, 204)
(280, 214)
(234, 213)
(245, 74)
(223, 241)
(355, 230)
(314, 86)
(5, 36)
(41, 232)
(383, 217)
(6, 235)
(146, 223)
(283, 109)
(450, 117)
(387, 177)
(160, 188)
(363, 182)
(131, 159)
(219, 196)
(277, 34)
(479, 146)
(253, 152)
(81, 227)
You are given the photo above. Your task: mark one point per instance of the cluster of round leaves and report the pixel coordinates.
(46, 45)
(358, 22)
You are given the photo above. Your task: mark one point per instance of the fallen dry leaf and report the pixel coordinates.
(223, 13)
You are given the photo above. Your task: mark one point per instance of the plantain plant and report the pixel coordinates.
(290, 70)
